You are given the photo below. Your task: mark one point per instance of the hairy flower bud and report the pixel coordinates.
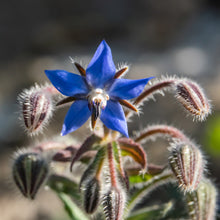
(91, 195)
(114, 204)
(193, 99)
(29, 172)
(90, 182)
(187, 163)
(36, 108)
(202, 202)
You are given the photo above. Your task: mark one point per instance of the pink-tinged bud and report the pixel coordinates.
(36, 108)
(193, 99)
(29, 172)
(202, 202)
(187, 164)
(114, 204)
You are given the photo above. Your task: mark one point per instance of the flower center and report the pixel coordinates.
(97, 99)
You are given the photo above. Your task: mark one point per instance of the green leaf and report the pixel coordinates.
(152, 213)
(140, 178)
(146, 187)
(74, 212)
(61, 184)
(136, 176)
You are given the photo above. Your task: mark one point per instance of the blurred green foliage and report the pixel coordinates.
(212, 136)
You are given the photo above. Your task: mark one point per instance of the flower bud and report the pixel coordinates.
(114, 203)
(91, 195)
(187, 163)
(36, 108)
(202, 202)
(193, 99)
(90, 182)
(29, 172)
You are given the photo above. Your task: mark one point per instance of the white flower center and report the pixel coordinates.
(98, 97)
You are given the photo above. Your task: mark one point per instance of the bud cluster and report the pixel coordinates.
(107, 175)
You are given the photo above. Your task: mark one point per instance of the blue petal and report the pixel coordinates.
(67, 83)
(127, 88)
(101, 68)
(77, 115)
(113, 117)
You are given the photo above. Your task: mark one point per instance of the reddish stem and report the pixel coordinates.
(151, 90)
(112, 170)
(161, 129)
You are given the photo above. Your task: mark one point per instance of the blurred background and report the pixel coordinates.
(173, 37)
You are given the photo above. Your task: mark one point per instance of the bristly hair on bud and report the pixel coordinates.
(29, 171)
(202, 202)
(114, 204)
(91, 195)
(193, 99)
(36, 107)
(187, 164)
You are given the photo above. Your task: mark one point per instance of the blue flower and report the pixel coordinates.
(97, 92)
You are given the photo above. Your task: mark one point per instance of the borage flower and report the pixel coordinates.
(98, 92)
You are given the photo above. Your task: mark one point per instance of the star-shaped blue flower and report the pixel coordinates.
(97, 92)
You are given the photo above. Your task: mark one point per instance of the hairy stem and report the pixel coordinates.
(151, 90)
(163, 130)
(112, 169)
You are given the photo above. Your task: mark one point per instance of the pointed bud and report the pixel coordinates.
(114, 204)
(36, 108)
(202, 202)
(91, 195)
(193, 99)
(90, 182)
(29, 172)
(187, 163)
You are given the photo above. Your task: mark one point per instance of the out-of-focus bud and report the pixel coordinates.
(114, 204)
(36, 108)
(193, 99)
(187, 163)
(202, 202)
(29, 172)
(91, 195)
